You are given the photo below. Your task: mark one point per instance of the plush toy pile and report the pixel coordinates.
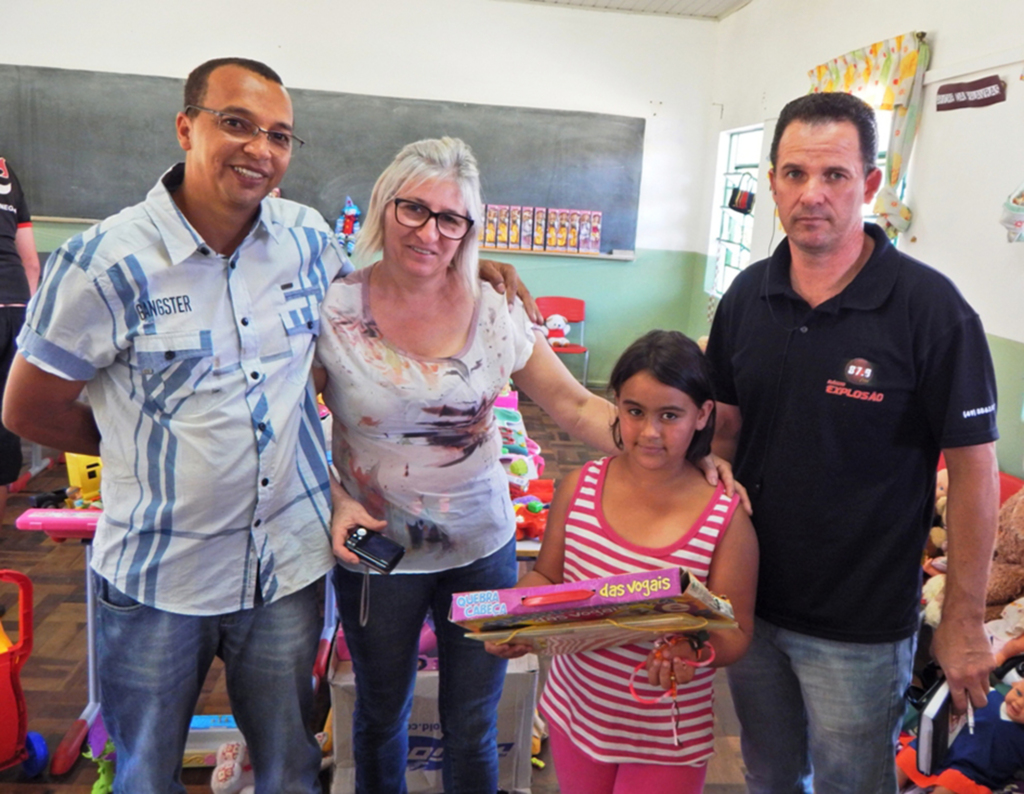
(1006, 581)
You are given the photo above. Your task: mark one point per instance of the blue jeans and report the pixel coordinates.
(384, 654)
(152, 665)
(814, 710)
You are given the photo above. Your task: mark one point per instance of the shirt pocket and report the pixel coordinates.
(175, 371)
(301, 324)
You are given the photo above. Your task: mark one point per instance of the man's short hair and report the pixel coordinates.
(198, 80)
(829, 107)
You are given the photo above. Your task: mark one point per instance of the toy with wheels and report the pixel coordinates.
(18, 745)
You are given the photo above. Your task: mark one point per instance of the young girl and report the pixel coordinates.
(645, 509)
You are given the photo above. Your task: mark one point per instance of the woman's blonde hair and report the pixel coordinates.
(443, 159)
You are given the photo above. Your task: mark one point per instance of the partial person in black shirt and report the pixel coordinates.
(19, 275)
(842, 369)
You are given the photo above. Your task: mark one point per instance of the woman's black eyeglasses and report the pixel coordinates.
(415, 215)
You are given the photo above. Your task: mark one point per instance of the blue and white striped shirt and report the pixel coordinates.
(215, 481)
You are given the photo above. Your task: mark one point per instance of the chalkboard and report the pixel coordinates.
(85, 144)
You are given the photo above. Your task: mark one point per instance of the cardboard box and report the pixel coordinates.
(526, 236)
(502, 238)
(514, 214)
(551, 242)
(584, 247)
(573, 243)
(423, 773)
(539, 227)
(491, 227)
(595, 231)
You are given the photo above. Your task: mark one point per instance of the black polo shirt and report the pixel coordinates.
(845, 409)
(13, 214)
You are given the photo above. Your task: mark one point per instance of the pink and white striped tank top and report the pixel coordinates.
(587, 694)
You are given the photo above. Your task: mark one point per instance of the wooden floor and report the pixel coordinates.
(54, 678)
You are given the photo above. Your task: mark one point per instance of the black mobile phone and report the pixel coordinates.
(374, 549)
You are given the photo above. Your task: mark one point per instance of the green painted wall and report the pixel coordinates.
(51, 234)
(659, 289)
(1008, 357)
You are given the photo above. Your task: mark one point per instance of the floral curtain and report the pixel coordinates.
(888, 75)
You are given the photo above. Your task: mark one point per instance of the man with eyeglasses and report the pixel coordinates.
(189, 321)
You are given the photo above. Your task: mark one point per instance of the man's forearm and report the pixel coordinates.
(961, 645)
(971, 517)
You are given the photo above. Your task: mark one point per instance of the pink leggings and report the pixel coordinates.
(578, 773)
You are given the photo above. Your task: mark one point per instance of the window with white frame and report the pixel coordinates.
(731, 230)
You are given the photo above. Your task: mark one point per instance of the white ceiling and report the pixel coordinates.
(699, 9)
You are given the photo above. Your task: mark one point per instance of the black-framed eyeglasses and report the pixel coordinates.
(245, 130)
(414, 215)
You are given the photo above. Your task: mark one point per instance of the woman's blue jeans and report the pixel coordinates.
(384, 658)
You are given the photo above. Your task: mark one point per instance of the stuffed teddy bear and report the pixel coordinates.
(555, 328)
(931, 599)
(1006, 579)
(233, 772)
(935, 546)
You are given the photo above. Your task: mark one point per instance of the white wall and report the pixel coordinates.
(965, 161)
(484, 51)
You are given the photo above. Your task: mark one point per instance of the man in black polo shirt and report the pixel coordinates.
(842, 369)
(19, 275)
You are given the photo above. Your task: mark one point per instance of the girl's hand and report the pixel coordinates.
(507, 650)
(666, 668)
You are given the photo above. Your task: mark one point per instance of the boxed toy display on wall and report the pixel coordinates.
(491, 227)
(540, 215)
(518, 228)
(502, 240)
(595, 232)
(526, 230)
(513, 227)
(573, 243)
(584, 246)
(551, 239)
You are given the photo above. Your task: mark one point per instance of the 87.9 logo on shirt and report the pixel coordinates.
(859, 372)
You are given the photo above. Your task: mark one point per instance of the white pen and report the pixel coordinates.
(970, 716)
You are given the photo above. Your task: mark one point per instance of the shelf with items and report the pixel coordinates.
(614, 256)
(541, 230)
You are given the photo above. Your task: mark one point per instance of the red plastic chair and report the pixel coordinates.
(574, 311)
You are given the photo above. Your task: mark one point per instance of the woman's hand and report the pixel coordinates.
(347, 514)
(501, 275)
(507, 650)
(716, 468)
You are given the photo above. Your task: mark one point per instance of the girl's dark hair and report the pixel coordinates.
(675, 360)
